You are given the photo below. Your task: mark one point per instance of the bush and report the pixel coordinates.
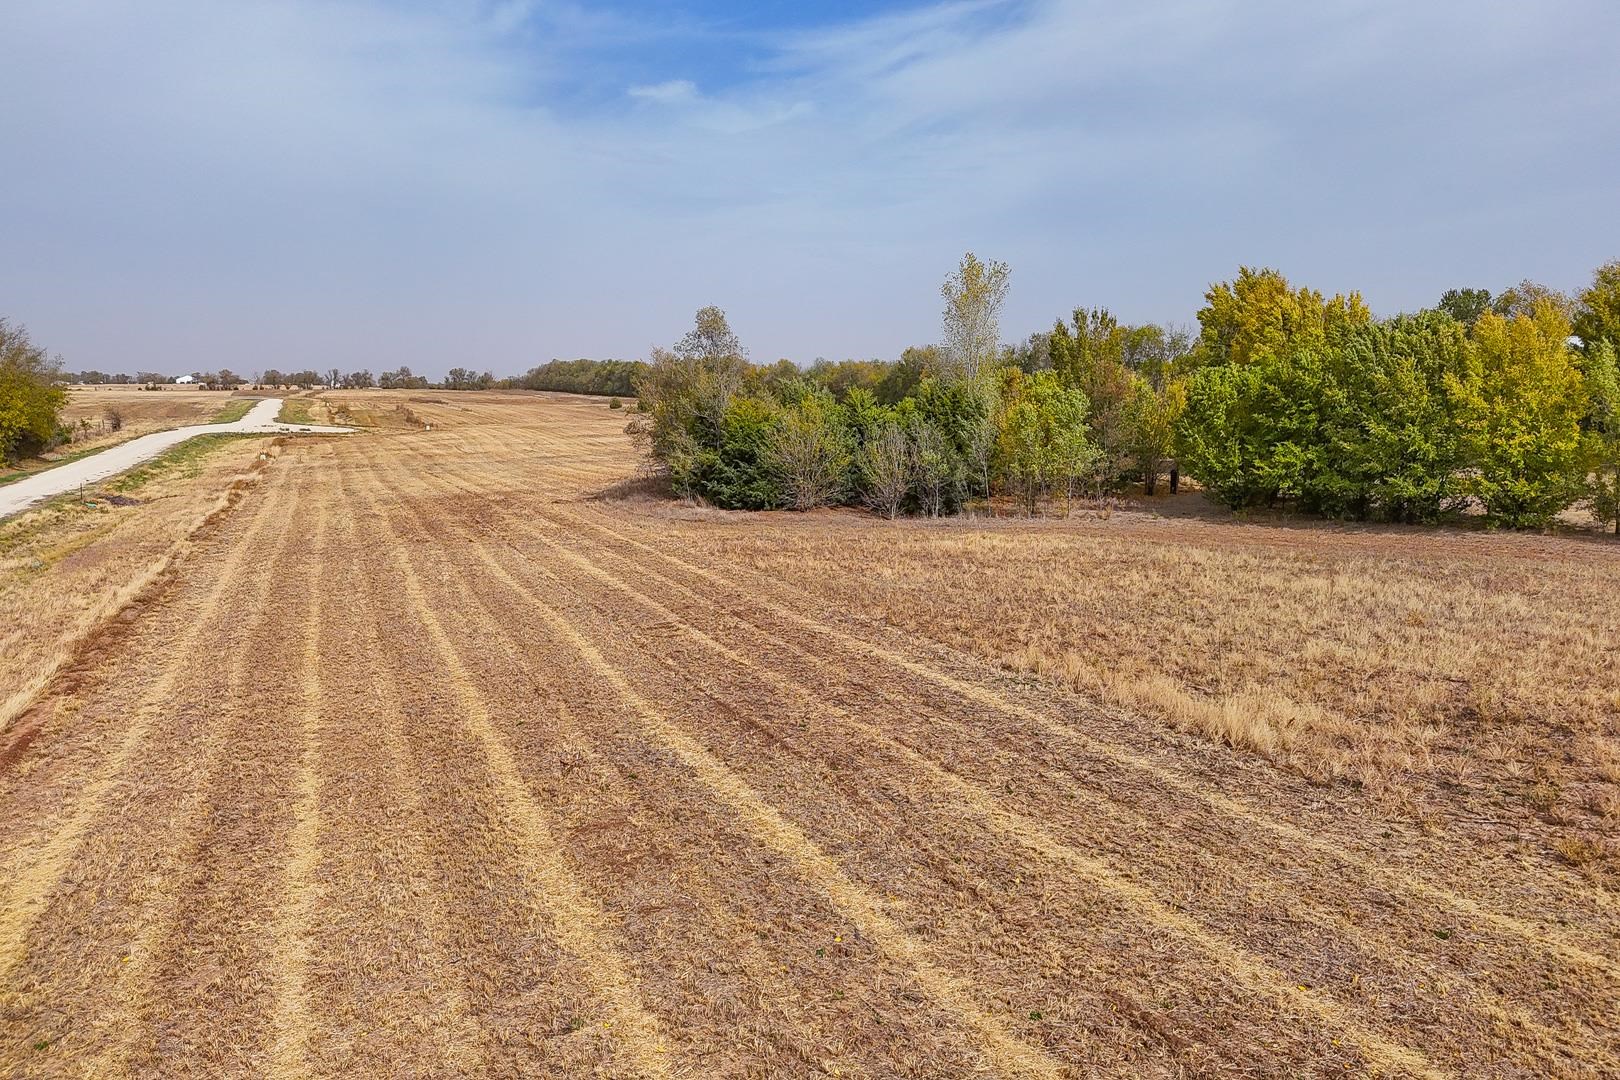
(30, 400)
(938, 471)
(811, 453)
(615, 403)
(734, 471)
(884, 465)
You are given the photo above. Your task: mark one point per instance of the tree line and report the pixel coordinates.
(1504, 404)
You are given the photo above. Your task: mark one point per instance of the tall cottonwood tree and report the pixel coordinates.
(972, 319)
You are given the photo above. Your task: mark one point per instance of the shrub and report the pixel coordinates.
(811, 453)
(30, 401)
(734, 471)
(885, 469)
(615, 403)
(938, 471)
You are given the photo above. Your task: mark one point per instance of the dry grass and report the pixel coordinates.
(446, 753)
(1462, 672)
(67, 568)
(145, 411)
(140, 412)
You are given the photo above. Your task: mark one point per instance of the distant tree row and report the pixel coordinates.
(102, 378)
(1508, 404)
(601, 377)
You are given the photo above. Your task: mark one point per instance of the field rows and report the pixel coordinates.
(432, 764)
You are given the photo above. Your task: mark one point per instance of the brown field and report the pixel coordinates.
(142, 412)
(441, 751)
(145, 411)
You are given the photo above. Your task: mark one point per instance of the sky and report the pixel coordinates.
(196, 184)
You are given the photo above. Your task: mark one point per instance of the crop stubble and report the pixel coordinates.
(430, 763)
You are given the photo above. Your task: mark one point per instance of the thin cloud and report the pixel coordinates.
(672, 92)
(489, 185)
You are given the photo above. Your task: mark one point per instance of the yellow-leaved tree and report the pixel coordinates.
(1520, 402)
(1259, 315)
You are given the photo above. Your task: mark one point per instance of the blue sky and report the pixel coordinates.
(204, 183)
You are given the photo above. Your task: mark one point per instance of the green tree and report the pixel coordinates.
(30, 401)
(1251, 432)
(1151, 416)
(1464, 306)
(1523, 299)
(904, 376)
(685, 393)
(1603, 384)
(1089, 355)
(1391, 444)
(1520, 404)
(845, 375)
(973, 298)
(1045, 444)
(737, 471)
(1159, 354)
(1597, 315)
(963, 414)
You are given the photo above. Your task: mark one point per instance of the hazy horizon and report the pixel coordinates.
(257, 185)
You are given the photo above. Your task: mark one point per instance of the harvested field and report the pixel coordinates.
(89, 413)
(145, 411)
(439, 754)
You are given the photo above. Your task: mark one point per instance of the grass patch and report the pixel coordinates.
(295, 411)
(185, 460)
(233, 411)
